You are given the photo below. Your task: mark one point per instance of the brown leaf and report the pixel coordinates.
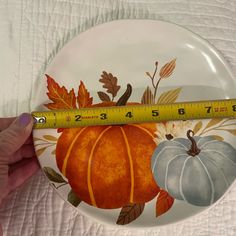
(50, 138)
(53, 152)
(167, 69)
(40, 151)
(217, 137)
(73, 198)
(104, 97)
(147, 97)
(232, 131)
(110, 83)
(53, 175)
(62, 99)
(169, 96)
(164, 203)
(197, 127)
(83, 98)
(129, 213)
(213, 121)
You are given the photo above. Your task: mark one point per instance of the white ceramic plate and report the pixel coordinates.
(190, 69)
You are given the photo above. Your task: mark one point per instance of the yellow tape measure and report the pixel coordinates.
(134, 114)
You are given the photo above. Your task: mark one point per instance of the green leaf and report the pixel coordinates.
(53, 175)
(50, 138)
(73, 199)
(169, 96)
(197, 127)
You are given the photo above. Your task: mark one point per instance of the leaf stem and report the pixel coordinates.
(217, 127)
(61, 185)
(156, 87)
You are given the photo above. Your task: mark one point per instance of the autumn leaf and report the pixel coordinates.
(169, 96)
(104, 97)
(147, 97)
(110, 83)
(40, 151)
(232, 131)
(167, 69)
(62, 99)
(53, 175)
(83, 98)
(50, 138)
(73, 199)
(217, 137)
(164, 203)
(129, 213)
(197, 127)
(213, 122)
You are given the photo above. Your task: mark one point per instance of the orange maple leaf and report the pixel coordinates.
(164, 202)
(83, 98)
(62, 99)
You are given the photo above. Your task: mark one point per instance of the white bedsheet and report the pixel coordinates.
(31, 33)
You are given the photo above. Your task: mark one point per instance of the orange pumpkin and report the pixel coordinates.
(109, 166)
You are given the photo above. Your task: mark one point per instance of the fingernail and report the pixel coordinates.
(24, 119)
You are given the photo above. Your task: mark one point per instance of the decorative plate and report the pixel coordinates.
(139, 175)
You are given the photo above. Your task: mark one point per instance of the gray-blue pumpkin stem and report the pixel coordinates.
(194, 150)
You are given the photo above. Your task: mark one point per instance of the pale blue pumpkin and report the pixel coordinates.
(197, 170)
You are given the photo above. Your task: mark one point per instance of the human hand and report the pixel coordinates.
(17, 155)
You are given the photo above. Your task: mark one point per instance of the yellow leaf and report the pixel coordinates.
(232, 131)
(197, 127)
(169, 96)
(213, 121)
(50, 138)
(217, 137)
(37, 139)
(53, 152)
(40, 151)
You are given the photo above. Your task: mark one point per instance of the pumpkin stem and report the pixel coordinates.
(194, 150)
(125, 97)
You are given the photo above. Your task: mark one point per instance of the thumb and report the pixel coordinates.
(12, 138)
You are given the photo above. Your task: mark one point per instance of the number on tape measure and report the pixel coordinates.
(234, 107)
(208, 109)
(129, 114)
(103, 116)
(181, 111)
(155, 113)
(77, 117)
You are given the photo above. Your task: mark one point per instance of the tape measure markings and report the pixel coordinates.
(135, 114)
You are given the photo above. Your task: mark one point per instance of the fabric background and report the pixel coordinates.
(31, 33)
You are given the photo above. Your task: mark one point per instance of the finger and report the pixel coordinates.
(15, 135)
(5, 122)
(29, 140)
(26, 151)
(22, 172)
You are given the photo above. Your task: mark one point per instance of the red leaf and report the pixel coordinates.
(130, 212)
(60, 96)
(164, 203)
(84, 99)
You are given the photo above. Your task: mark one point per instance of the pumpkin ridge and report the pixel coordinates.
(185, 148)
(131, 166)
(181, 177)
(143, 129)
(222, 154)
(90, 189)
(208, 174)
(69, 151)
(167, 168)
(212, 141)
(222, 173)
(155, 162)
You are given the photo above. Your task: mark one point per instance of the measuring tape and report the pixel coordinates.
(134, 114)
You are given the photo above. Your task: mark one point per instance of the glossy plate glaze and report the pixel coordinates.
(108, 173)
